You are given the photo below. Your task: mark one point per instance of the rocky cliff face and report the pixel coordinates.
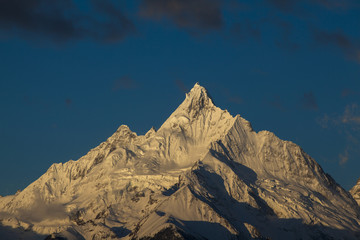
(203, 175)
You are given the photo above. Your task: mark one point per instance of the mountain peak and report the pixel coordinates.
(204, 173)
(198, 92)
(197, 99)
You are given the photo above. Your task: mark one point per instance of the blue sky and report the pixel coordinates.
(72, 71)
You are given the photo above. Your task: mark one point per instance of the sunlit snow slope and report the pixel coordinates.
(355, 192)
(203, 175)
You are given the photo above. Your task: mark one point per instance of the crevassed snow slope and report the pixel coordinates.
(204, 174)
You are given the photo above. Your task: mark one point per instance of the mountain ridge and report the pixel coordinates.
(203, 168)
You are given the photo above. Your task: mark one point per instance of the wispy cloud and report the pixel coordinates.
(235, 99)
(308, 101)
(284, 39)
(335, 4)
(351, 115)
(245, 30)
(339, 39)
(299, 6)
(181, 86)
(68, 102)
(124, 83)
(277, 103)
(284, 5)
(62, 20)
(230, 96)
(301, 10)
(344, 157)
(188, 14)
(348, 92)
(336, 38)
(349, 118)
(324, 121)
(352, 148)
(348, 125)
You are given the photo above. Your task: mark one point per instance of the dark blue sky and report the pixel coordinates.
(72, 72)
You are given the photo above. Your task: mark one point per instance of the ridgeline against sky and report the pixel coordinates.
(71, 72)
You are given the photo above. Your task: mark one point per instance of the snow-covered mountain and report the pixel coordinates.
(355, 191)
(203, 175)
